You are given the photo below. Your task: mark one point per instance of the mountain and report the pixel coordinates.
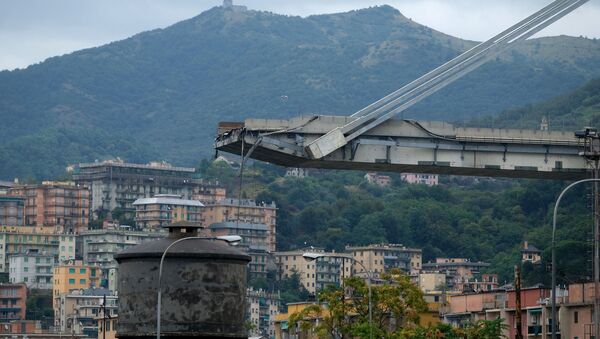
(160, 94)
(569, 112)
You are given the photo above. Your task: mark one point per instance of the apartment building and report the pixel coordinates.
(262, 306)
(12, 211)
(535, 310)
(62, 205)
(330, 269)
(246, 210)
(98, 248)
(378, 179)
(255, 242)
(209, 192)
(460, 272)
(13, 302)
(116, 184)
(379, 258)
(432, 282)
(420, 178)
(165, 209)
(32, 268)
(5, 186)
(77, 312)
(18, 240)
(73, 275)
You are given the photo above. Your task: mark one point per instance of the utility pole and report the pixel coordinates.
(519, 330)
(104, 317)
(591, 151)
(596, 252)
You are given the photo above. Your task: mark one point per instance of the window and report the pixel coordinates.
(82, 270)
(25, 269)
(82, 281)
(576, 317)
(72, 270)
(71, 281)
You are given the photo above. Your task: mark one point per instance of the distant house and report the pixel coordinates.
(530, 253)
(418, 178)
(379, 180)
(297, 172)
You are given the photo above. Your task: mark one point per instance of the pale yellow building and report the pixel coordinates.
(107, 327)
(432, 281)
(245, 210)
(165, 209)
(282, 328)
(379, 258)
(530, 253)
(314, 275)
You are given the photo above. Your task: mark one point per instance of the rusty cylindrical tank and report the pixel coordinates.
(203, 288)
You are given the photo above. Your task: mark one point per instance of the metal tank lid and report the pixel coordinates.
(208, 248)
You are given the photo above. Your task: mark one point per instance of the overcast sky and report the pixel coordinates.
(33, 30)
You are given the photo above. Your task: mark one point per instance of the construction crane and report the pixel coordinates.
(371, 140)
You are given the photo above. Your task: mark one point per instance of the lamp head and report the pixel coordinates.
(231, 239)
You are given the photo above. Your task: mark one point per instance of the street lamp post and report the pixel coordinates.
(315, 256)
(554, 320)
(227, 238)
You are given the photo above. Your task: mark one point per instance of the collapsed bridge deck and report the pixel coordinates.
(412, 146)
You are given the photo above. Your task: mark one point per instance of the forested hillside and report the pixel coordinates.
(481, 219)
(160, 94)
(569, 112)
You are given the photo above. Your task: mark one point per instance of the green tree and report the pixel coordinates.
(396, 305)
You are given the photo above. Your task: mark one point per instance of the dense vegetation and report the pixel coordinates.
(160, 94)
(568, 112)
(481, 219)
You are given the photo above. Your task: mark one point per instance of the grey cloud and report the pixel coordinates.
(32, 30)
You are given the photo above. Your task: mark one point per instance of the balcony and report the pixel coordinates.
(534, 330)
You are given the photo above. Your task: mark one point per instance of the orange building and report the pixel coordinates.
(62, 205)
(209, 193)
(73, 275)
(245, 210)
(13, 302)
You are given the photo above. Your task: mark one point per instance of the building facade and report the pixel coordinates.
(379, 258)
(420, 178)
(32, 268)
(115, 184)
(330, 269)
(530, 253)
(246, 210)
(165, 209)
(255, 241)
(19, 240)
(460, 272)
(262, 307)
(71, 276)
(378, 179)
(13, 302)
(61, 205)
(12, 211)
(100, 246)
(77, 312)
